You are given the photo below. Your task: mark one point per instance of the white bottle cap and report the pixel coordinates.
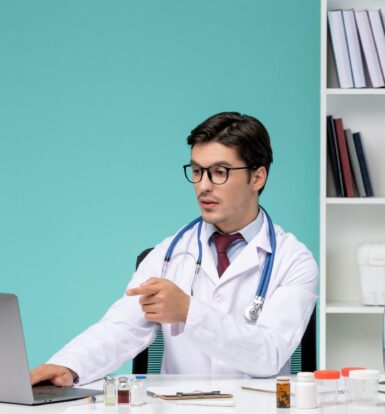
(305, 376)
(364, 374)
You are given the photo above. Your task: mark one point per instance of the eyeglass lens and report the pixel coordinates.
(217, 174)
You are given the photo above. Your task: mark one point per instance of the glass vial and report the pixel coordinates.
(123, 391)
(143, 384)
(136, 392)
(283, 392)
(109, 388)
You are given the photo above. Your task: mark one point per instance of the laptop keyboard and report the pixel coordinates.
(49, 392)
(45, 394)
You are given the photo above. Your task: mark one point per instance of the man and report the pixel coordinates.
(206, 332)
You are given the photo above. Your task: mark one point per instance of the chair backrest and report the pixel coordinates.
(149, 361)
(304, 358)
(383, 340)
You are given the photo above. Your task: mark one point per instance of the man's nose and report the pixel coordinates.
(205, 183)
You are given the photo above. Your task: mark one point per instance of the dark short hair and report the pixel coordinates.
(243, 132)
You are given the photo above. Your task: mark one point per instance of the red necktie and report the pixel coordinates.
(222, 243)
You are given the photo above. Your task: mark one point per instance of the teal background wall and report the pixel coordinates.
(96, 101)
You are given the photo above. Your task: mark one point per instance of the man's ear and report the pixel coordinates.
(258, 178)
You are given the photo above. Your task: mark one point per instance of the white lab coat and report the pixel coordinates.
(215, 339)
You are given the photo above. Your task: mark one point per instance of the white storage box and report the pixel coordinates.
(371, 261)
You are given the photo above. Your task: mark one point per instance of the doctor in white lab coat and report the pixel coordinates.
(207, 334)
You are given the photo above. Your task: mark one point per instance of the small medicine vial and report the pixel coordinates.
(143, 384)
(123, 391)
(283, 392)
(109, 388)
(305, 391)
(136, 392)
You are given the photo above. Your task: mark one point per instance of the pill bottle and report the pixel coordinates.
(283, 392)
(305, 390)
(109, 388)
(123, 391)
(327, 386)
(363, 385)
(344, 383)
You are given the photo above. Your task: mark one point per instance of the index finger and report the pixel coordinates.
(152, 281)
(143, 290)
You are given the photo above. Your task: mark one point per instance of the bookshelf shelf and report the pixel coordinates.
(364, 91)
(352, 307)
(345, 222)
(365, 201)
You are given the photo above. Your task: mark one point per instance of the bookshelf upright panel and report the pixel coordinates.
(350, 333)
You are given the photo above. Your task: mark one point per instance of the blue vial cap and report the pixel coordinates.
(140, 377)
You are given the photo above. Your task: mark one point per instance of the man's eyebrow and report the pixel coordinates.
(215, 164)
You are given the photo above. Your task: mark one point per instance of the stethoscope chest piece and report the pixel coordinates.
(252, 311)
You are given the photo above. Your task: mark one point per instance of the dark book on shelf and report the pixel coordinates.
(355, 163)
(344, 158)
(363, 164)
(332, 149)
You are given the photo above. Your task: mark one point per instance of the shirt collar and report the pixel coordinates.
(248, 232)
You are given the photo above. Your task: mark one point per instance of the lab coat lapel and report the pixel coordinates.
(208, 262)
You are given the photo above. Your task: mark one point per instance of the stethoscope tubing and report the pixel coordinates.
(267, 269)
(180, 234)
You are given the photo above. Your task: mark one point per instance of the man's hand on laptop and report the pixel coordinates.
(58, 375)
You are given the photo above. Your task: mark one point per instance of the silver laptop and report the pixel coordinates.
(15, 385)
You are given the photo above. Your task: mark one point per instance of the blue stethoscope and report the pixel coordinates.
(254, 309)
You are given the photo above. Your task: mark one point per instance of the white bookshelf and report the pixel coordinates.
(350, 333)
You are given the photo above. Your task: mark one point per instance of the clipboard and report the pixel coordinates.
(194, 395)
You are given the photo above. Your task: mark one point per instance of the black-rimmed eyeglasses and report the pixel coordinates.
(218, 174)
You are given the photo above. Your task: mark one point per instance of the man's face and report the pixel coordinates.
(232, 205)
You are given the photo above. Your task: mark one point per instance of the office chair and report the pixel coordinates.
(149, 361)
(383, 340)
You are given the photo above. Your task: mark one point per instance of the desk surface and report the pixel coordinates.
(246, 402)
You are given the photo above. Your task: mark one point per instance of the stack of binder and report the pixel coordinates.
(358, 39)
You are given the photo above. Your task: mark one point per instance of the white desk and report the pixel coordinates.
(246, 402)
